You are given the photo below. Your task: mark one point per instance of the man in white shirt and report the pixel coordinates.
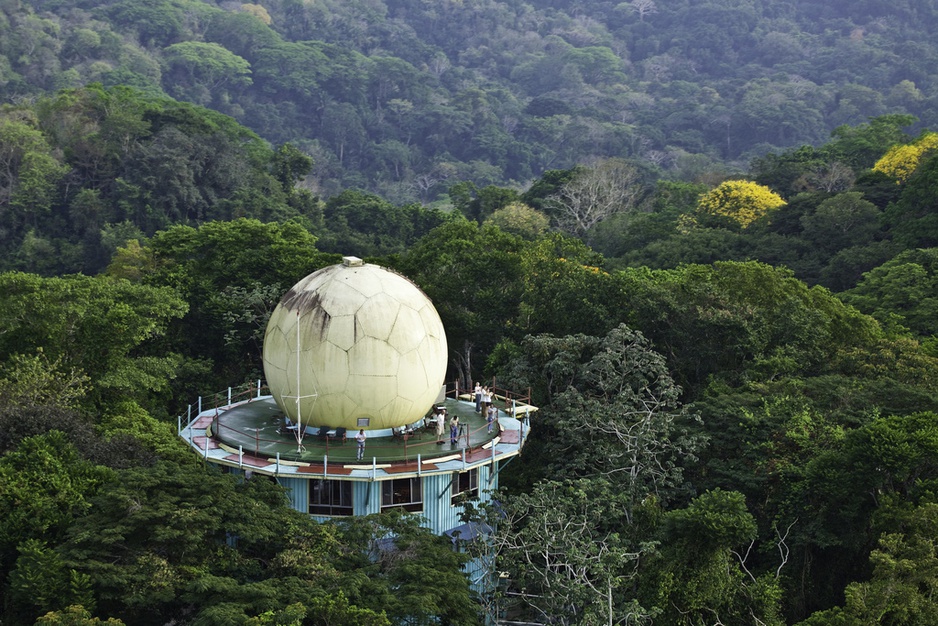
(440, 421)
(360, 438)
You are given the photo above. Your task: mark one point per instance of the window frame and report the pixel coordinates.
(339, 503)
(465, 486)
(395, 494)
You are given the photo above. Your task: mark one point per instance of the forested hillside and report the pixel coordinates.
(735, 349)
(403, 98)
(730, 442)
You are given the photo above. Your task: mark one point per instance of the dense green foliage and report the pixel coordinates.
(402, 98)
(728, 437)
(738, 408)
(88, 169)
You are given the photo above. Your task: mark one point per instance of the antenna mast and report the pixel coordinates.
(300, 427)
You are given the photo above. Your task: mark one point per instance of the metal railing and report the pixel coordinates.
(416, 444)
(221, 400)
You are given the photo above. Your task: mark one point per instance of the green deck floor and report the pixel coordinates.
(257, 428)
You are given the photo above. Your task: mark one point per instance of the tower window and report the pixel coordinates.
(330, 497)
(465, 485)
(404, 493)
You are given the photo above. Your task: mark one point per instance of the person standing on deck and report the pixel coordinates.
(360, 438)
(440, 419)
(478, 394)
(486, 400)
(453, 430)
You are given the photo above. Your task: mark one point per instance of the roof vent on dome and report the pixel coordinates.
(352, 261)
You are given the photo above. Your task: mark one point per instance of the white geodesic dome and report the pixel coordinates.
(355, 341)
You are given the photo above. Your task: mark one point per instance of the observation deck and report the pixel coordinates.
(245, 428)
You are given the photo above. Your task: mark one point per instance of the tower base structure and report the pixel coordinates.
(410, 468)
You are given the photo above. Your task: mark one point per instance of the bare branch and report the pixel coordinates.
(595, 194)
(742, 559)
(783, 548)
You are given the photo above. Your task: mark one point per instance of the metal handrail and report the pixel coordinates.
(219, 401)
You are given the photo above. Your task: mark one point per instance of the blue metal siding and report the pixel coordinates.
(438, 510)
(485, 489)
(366, 497)
(298, 492)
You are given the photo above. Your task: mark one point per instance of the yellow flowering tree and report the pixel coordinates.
(742, 201)
(900, 161)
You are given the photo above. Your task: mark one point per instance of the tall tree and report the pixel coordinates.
(473, 276)
(568, 554)
(229, 274)
(97, 326)
(29, 175)
(596, 193)
(405, 570)
(700, 577)
(612, 410)
(902, 291)
(843, 221)
(740, 201)
(175, 540)
(912, 219)
(45, 485)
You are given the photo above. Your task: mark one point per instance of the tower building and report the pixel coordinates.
(353, 349)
